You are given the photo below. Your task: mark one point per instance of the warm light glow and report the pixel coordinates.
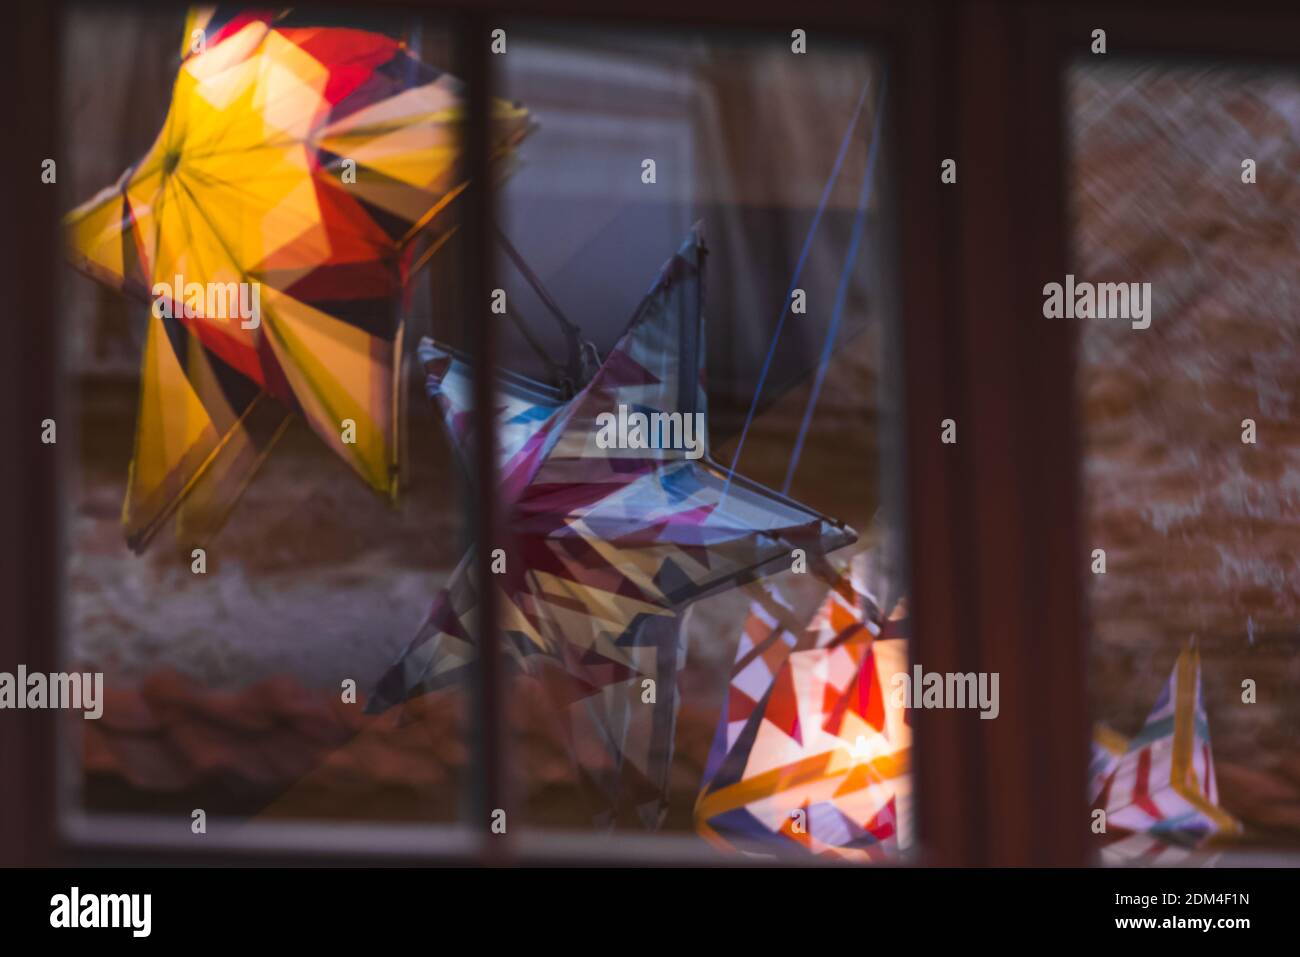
(860, 749)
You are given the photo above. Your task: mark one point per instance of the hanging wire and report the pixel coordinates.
(846, 274)
(582, 359)
(794, 284)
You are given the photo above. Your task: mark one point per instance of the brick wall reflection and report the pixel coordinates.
(1202, 532)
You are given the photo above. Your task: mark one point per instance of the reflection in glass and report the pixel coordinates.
(1183, 177)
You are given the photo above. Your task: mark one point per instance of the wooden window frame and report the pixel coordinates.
(994, 523)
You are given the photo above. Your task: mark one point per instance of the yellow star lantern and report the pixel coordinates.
(273, 225)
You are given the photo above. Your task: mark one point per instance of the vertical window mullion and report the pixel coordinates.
(29, 513)
(489, 785)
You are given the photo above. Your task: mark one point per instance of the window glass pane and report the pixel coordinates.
(698, 653)
(257, 519)
(1184, 179)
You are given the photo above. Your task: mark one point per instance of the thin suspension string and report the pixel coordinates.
(794, 284)
(569, 327)
(581, 353)
(846, 273)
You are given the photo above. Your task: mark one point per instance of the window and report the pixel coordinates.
(253, 534)
(1187, 412)
(287, 609)
(502, 617)
(739, 184)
